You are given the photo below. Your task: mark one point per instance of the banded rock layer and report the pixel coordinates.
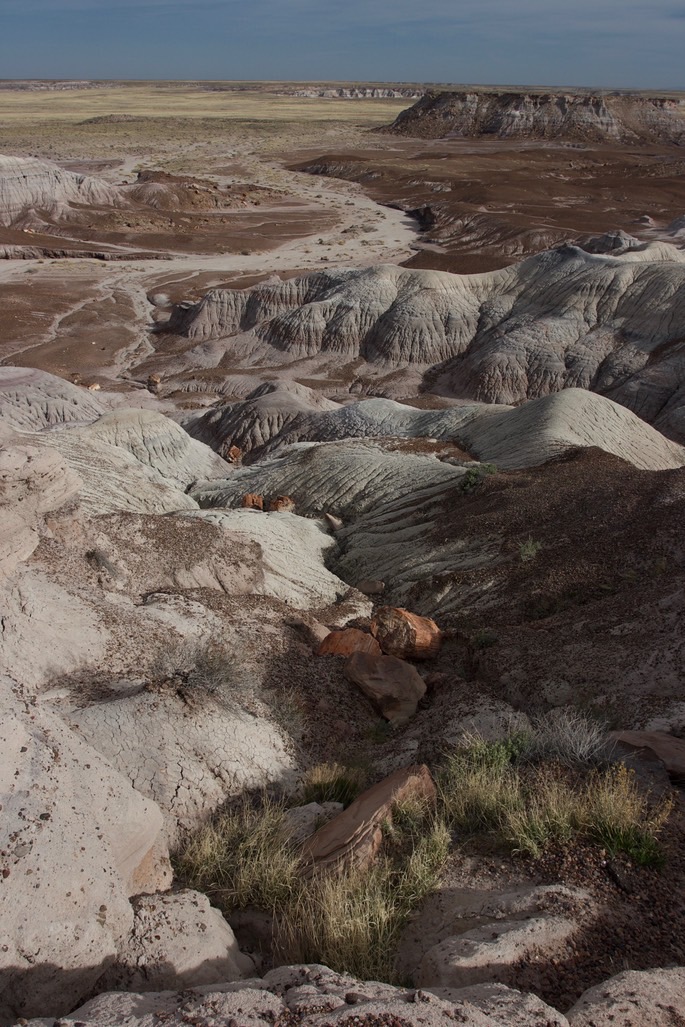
(28, 184)
(562, 319)
(596, 117)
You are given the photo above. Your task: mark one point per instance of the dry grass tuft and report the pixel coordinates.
(352, 920)
(494, 787)
(243, 858)
(333, 782)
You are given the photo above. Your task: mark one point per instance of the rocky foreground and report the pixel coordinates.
(159, 635)
(313, 996)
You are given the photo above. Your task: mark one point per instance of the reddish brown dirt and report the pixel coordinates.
(582, 586)
(486, 204)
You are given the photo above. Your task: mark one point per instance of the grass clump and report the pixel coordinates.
(473, 476)
(351, 920)
(243, 858)
(502, 789)
(528, 550)
(620, 818)
(333, 782)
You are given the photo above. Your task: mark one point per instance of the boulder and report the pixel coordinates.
(355, 835)
(486, 953)
(347, 642)
(405, 634)
(177, 940)
(505, 1005)
(653, 998)
(657, 744)
(76, 840)
(393, 685)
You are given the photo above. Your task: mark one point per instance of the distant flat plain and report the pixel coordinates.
(262, 102)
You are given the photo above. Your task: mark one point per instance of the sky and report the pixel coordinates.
(637, 44)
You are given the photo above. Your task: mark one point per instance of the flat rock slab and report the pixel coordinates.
(636, 998)
(484, 953)
(394, 686)
(506, 1005)
(666, 748)
(355, 835)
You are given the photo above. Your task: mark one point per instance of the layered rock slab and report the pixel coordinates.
(355, 835)
(650, 997)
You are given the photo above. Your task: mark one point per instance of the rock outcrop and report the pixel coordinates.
(586, 116)
(653, 997)
(562, 319)
(76, 841)
(28, 184)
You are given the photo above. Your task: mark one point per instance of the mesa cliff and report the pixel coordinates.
(586, 117)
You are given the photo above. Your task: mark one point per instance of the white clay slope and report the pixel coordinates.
(28, 184)
(562, 319)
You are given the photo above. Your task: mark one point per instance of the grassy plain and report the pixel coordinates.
(165, 119)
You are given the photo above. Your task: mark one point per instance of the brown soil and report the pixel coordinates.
(582, 567)
(486, 204)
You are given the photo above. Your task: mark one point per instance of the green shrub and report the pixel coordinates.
(473, 476)
(529, 549)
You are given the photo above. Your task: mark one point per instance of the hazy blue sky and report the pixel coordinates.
(629, 43)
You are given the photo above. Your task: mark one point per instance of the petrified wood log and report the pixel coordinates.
(355, 835)
(252, 501)
(405, 634)
(282, 504)
(348, 641)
